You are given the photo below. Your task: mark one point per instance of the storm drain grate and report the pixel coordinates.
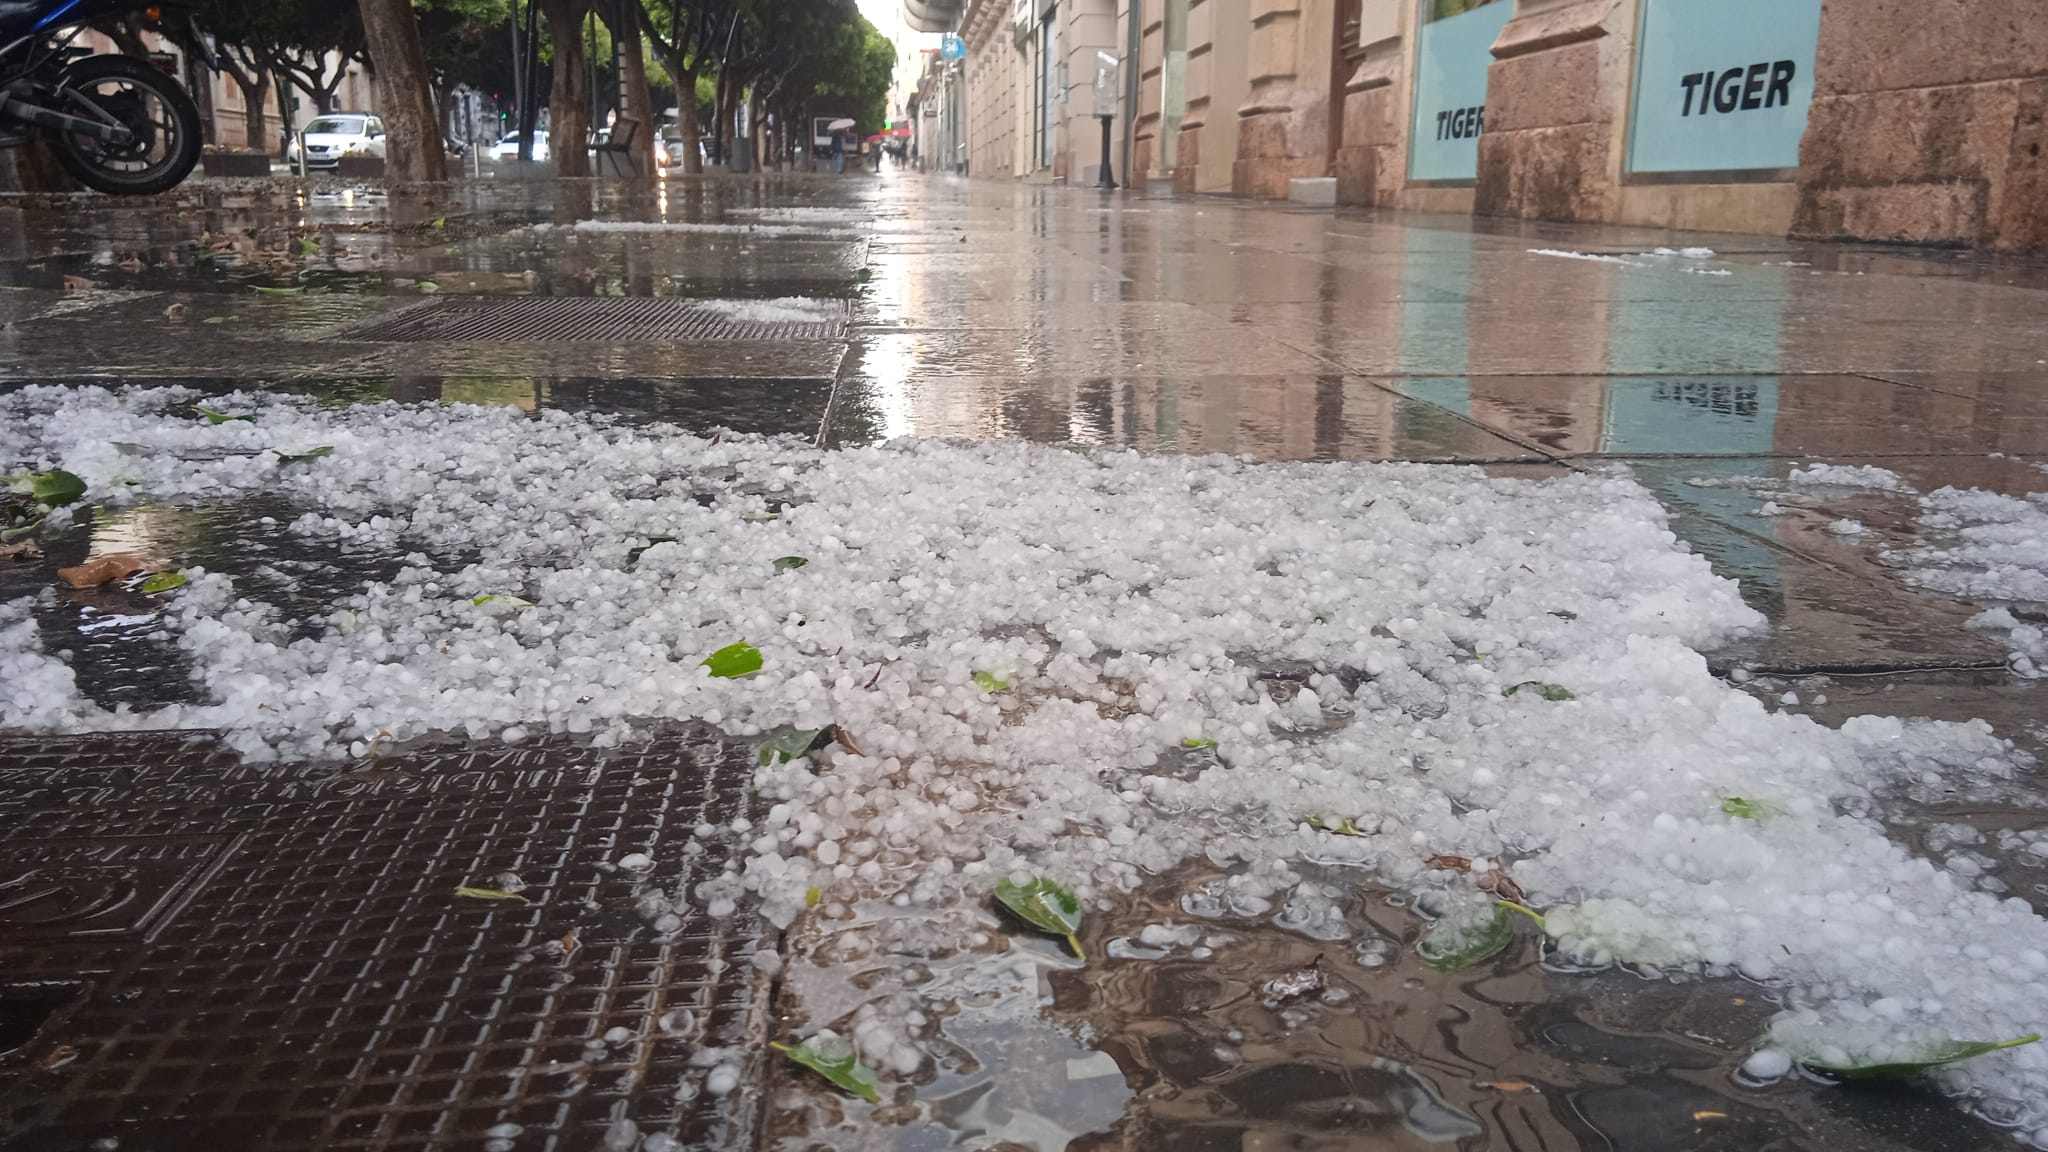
(598, 319)
(201, 954)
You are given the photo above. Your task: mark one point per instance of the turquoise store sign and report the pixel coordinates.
(1722, 85)
(1451, 56)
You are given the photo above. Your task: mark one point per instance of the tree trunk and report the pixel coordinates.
(255, 113)
(721, 118)
(281, 86)
(405, 98)
(637, 98)
(688, 120)
(569, 99)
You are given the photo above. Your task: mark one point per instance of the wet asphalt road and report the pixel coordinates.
(973, 310)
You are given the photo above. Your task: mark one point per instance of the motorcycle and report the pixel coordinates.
(118, 124)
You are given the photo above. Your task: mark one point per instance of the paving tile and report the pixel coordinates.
(1731, 415)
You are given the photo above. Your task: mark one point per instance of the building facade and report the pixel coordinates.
(1863, 119)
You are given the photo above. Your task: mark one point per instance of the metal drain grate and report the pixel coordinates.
(208, 955)
(590, 319)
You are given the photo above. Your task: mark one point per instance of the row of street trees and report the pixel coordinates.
(744, 64)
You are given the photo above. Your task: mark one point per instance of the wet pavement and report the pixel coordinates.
(195, 953)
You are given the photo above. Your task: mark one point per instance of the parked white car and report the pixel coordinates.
(328, 138)
(507, 150)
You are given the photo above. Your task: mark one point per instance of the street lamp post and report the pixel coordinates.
(1105, 111)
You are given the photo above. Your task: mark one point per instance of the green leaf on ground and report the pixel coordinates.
(1198, 742)
(734, 660)
(1552, 692)
(1743, 809)
(439, 222)
(429, 287)
(285, 457)
(990, 682)
(490, 894)
(267, 290)
(789, 563)
(10, 535)
(164, 582)
(1458, 941)
(498, 600)
(757, 515)
(1045, 905)
(788, 745)
(1336, 826)
(812, 896)
(832, 1056)
(1947, 1053)
(213, 417)
(308, 246)
(55, 487)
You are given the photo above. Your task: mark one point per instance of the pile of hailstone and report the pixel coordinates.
(1033, 648)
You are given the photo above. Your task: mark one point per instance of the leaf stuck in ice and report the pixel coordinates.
(813, 895)
(1045, 905)
(990, 682)
(1743, 809)
(789, 563)
(734, 660)
(833, 1057)
(788, 745)
(490, 894)
(1457, 942)
(1551, 692)
(1948, 1053)
(499, 600)
(1198, 742)
(1335, 826)
(285, 457)
(164, 582)
(213, 417)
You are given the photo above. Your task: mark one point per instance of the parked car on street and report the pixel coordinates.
(507, 150)
(327, 139)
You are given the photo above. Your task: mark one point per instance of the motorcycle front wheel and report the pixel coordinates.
(162, 121)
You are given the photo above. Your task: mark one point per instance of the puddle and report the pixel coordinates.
(1175, 1034)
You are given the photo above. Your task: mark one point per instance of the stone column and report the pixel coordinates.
(1284, 129)
(1929, 123)
(1372, 162)
(1556, 111)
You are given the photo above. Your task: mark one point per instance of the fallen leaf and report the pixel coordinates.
(835, 1059)
(102, 570)
(990, 682)
(734, 660)
(1510, 1087)
(164, 582)
(79, 283)
(429, 287)
(569, 942)
(1045, 905)
(1450, 863)
(21, 550)
(132, 264)
(845, 740)
(174, 312)
(59, 1056)
(490, 894)
(1705, 1114)
(267, 290)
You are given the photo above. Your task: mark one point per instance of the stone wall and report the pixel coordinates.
(1929, 124)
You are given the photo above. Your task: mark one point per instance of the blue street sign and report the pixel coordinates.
(952, 47)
